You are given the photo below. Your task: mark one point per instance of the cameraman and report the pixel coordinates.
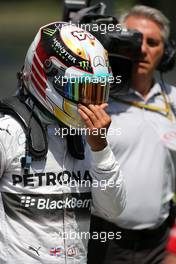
(146, 150)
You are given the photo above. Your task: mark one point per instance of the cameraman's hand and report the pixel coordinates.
(98, 122)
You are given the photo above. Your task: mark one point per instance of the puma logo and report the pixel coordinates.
(35, 250)
(6, 130)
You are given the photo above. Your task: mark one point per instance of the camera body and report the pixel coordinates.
(123, 46)
(116, 40)
(71, 7)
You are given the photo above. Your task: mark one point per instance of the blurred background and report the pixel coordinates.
(21, 19)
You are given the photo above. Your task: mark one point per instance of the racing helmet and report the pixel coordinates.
(64, 66)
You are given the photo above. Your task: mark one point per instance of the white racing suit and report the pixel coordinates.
(44, 215)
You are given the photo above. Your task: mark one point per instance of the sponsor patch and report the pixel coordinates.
(59, 251)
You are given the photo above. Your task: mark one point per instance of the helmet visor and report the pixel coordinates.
(87, 90)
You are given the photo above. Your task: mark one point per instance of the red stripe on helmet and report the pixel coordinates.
(41, 53)
(38, 77)
(37, 86)
(38, 61)
(38, 66)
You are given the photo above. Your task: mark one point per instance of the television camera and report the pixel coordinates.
(123, 46)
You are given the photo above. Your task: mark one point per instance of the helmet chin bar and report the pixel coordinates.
(68, 120)
(63, 118)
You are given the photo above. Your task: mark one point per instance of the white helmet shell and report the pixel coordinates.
(66, 65)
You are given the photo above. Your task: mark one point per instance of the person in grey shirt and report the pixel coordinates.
(145, 149)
